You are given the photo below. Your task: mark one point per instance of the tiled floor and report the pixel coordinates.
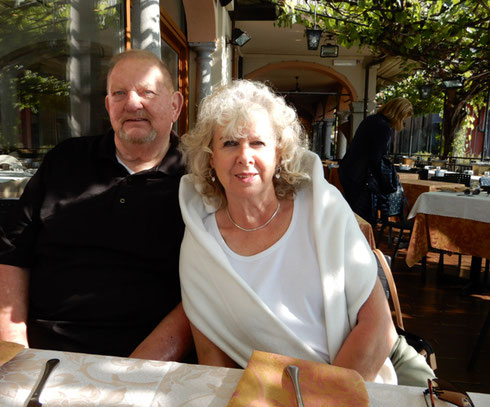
(449, 320)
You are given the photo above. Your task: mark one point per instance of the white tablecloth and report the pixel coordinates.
(454, 205)
(92, 380)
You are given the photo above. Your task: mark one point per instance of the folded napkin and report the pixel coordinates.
(8, 350)
(266, 383)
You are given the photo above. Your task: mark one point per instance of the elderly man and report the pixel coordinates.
(90, 263)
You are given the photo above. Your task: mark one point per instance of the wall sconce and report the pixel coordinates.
(453, 83)
(329, 51)
(239, 37)
(425, 91)
(313, 36)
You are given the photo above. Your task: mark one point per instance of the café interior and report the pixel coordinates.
(436, 240)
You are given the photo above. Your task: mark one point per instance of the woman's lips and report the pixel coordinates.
(246, 176)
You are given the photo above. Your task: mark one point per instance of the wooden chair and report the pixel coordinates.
(394, 215)
(420, 344)
(458, 178)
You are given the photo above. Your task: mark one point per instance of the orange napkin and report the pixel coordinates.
(266, 383)
(8, 350)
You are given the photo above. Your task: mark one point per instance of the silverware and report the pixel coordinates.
(293, 372)
(33, 400)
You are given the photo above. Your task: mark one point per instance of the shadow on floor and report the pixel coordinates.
(450, 321)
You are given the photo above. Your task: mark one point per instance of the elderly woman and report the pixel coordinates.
(366, 175)
(273, 258)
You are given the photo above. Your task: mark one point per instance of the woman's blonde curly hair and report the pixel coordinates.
(229, 108)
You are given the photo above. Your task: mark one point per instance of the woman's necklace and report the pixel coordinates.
(258, 227)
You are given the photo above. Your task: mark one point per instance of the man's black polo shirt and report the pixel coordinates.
(102, 246)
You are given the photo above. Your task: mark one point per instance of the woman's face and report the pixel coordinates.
(245, 166)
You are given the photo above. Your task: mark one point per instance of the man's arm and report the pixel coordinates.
(14, 300)
(370, 342)
(170, 340)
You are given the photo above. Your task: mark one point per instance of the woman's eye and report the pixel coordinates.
(230, 143)
(258, 143)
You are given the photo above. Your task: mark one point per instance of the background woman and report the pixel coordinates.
(273, 258)
(360, 170)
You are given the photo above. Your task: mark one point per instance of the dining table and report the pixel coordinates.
(94, 380)
(453, 222)
(415, 187)
(12, 183)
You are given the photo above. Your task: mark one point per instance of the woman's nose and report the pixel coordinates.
(246, 155)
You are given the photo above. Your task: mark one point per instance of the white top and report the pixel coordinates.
(454, 205)
(230, 314)
(286, 276)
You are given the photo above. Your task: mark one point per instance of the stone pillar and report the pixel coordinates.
(327, 137)
(81, 32)
(343, 117)
(9, 125)
(203, 68)
(357, 110)
(145, 26)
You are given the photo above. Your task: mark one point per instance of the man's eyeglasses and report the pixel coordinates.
(445, 391)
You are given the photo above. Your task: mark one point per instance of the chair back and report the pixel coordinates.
(458, 178)
(465, 179)
(424, 174)
(420, 344)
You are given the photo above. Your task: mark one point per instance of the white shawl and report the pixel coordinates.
(225, 309)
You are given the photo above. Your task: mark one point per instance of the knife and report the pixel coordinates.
(33, 400)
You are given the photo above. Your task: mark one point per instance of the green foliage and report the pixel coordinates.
(410, 88)
(441, 39)
(32, 87)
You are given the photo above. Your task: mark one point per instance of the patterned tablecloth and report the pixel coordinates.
(453, 232)
(91, 380)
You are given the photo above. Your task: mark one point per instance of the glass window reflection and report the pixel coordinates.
(53, 62)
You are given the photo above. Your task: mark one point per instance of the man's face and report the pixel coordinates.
(141, 107)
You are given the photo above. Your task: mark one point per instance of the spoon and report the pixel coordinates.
(293, 372)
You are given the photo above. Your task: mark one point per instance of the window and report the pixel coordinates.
(53, 62)
(176, 55)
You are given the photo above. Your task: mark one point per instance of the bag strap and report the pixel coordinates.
(391, 284)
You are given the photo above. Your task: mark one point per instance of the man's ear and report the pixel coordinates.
(107, 105)
(177, 103)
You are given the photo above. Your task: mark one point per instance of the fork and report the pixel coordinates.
(293, 372)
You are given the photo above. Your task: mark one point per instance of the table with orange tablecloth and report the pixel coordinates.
(415, 187)
(367, 231)
(461, 225)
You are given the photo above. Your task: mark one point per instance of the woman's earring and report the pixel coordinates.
(211, 175)
(277, 175)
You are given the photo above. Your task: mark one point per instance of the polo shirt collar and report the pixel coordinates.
(171, 164)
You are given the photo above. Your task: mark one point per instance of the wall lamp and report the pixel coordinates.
(329, 51)
(453, 83)
(239, 37)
